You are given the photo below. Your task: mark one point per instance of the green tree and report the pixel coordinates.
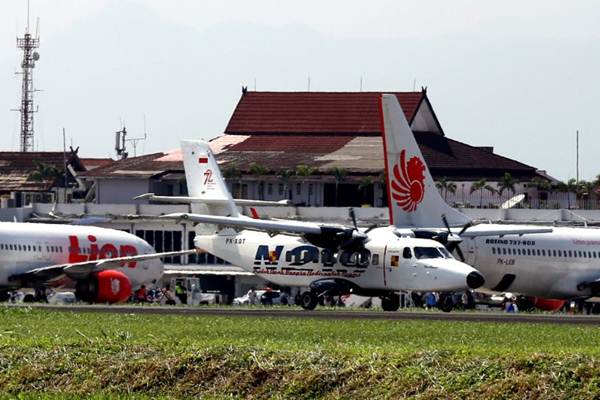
(284, 175)
(232, 173)
(44, 172)
(507, 182)
(304, 171)
(481, 185)
(444, 186)
(258, 169)
(363, 185)
(339, 174)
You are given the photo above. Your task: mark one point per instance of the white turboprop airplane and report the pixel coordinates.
(563, 263)
(329, 259)
(104, 264)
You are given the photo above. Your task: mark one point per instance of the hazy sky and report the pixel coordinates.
(519, 76)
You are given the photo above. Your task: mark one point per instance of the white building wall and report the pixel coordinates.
(118, 191)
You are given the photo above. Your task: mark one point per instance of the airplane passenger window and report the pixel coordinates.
(375, 259)
(570, 254)
(539, 253)
(407, 253)
(554, 253)
(504, 250)
(427, 252)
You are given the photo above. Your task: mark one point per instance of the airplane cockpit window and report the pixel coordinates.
(427, 252)
(445, 252)
(406, 253)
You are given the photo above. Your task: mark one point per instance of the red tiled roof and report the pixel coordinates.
(312, 144)
(314, 112)
(91, 163)
(16, 167)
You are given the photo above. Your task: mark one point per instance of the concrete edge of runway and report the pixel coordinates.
(328, 314)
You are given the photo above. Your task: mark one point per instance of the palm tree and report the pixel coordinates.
(232, 172)
(444, 186)
(363, 185)
(284, 175)
(507, 182)
(481, 185)
(339, 174)
(303, 171)
(584, 189)
(259, 169)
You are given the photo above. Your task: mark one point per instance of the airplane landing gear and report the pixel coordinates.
(308, 300)
(390, 302)
(445, 303)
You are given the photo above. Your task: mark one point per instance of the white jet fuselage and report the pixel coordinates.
(26, 246)
(550, 265)
(382, 264)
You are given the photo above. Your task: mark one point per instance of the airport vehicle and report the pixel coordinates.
(329, 259)
(274, 297)
(542, 262)
(103, 264)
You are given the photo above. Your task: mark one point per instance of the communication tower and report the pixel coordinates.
(28, 43)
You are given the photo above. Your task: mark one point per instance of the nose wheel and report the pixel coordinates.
(390, 302)
(445, 303)
(308, 300)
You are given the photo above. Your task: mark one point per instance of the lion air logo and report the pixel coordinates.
(115, 286)
(408, 183)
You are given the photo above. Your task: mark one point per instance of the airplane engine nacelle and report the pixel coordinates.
(112, 286)
(109, 286)
(547, 304)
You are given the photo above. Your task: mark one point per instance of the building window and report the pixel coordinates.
(298, 189)
(269, 189)
(280, 189)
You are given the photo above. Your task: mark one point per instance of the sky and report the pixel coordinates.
(519, 76)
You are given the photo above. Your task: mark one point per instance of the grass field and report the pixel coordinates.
(55, 354)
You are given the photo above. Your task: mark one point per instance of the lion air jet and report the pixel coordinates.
(562, 263)
(104, 264)
(329, 259)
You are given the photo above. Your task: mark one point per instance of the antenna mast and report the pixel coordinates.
(27, 43)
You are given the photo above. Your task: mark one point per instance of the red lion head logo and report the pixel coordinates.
(408, 187)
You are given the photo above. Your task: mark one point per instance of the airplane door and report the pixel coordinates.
(45, 252)
(398, 268)
(470, 253)
(38, 253)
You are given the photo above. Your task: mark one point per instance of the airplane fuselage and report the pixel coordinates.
(550, 265)
(386, 262)
(25, 246)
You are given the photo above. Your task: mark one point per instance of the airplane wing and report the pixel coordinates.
(298, 227)
(81, 270)
(189, 200)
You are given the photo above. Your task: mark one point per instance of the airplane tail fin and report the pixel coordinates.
(413, 198)
(204, 180)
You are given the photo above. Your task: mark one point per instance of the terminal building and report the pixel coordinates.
(319, 149)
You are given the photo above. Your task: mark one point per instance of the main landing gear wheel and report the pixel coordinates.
(308, 300)
(445, 303)
(391, 302)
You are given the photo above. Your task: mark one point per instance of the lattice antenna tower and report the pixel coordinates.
(28, 43)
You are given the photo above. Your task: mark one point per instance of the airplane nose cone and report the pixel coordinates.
(475, 280)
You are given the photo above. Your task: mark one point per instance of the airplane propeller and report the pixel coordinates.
(452, 240)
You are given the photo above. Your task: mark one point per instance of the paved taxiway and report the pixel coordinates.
(332, 314)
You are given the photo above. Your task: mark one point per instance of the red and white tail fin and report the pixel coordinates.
(204, 180)
(412, 196)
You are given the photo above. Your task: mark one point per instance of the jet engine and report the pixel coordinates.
(109, 286)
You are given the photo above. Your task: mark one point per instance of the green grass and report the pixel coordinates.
(65, 354)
